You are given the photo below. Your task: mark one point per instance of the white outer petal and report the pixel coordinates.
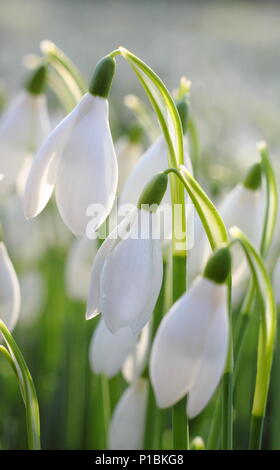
(42, 176)
(93, 302)
(108, 351)
(135, 362)
(154, 160)
(9, 290)
(130, 269)
(88, 171)
(16, 136)
(212, 363)
(128, 420)
(78, 267)
(276, 281)
(156, 281)
(178, 346)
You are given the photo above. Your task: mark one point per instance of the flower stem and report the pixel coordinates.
(180, 425)
(29, 394)
(150, 437)
(256, 429)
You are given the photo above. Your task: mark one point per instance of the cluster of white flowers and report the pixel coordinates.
(122, 278)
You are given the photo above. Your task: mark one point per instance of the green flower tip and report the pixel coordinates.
(102, 77)
(182, 106)
(153, 192)
(37, 81)
(253, 178)
(197, 444)
(135, 133)
(218, 266)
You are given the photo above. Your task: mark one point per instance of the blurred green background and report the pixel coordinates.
(230, 52)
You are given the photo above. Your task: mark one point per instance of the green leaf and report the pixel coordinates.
(26, 386)
(268, 320)
(163, 105)
(271, 199)
(209, 215)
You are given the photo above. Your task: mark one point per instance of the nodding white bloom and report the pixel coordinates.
(78, 160)
(108, 351)
(31, 305)
(78, 267)
(190, 348)
(241, 207)
(154, 160)
(276, 281)
(24, 239)
(128, 421)
(136, 361)
(129, 262)
(128, 152)
(22, 129)
(127, 274)
(9, 290)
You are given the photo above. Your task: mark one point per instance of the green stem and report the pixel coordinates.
(256, 429)
(228, 385)
(151, 436)
(30, 402)
(180, 425)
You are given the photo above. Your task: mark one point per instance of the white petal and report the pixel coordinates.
(276, 281)
(42, 176)
(135, 362)
(93, 303)
(180, 339)
(78, 267)
(128, 270)
(128, 420)
(128, 154)
(108, 351)
(156, 281)
(154, 160)
(16, 136)
(31, 305)
(212, 363)
(87, 173)
(9, 290)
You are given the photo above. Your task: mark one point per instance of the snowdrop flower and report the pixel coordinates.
(241, 207)
(276, 281)
(127, 270)
(78, 267)
(136, 361)
(190, 348)
(108, 351)
(22, 129)
(128, 421)
(32, 294)
(25, 239)
(128, 151)
(78, 160)
(154, 160)
(9, 290)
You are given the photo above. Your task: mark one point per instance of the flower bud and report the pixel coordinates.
(253, 178)
(218, 266)
(153, 192)
(37, 82)
(183, 108)
(102, 77)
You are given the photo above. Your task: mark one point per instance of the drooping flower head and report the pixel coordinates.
(78, 160)
(190, 348)
(9, 290)
(127, 270)
(23, 128)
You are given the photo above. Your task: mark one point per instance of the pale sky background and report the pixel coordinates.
(229, 49)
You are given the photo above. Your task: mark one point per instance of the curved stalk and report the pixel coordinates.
(27, 388)
(267, 334)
